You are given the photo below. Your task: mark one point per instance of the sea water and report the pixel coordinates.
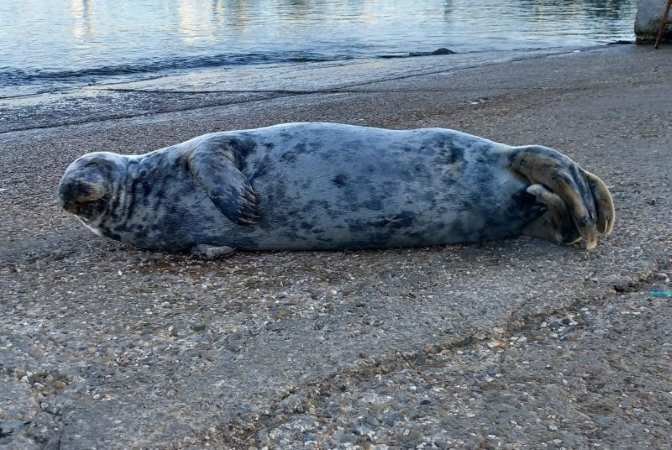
(55, 44)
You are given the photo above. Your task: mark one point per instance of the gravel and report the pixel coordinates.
(516, 343)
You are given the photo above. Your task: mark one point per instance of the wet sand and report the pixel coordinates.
(514, 343)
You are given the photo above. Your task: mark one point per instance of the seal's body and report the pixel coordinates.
(315, 186)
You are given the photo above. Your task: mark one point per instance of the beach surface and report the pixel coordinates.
(511, 344)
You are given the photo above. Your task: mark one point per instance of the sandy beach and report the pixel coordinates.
(511, 344)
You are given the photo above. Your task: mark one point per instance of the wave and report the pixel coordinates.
(13, 76)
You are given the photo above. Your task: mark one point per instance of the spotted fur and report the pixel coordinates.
(324, 186)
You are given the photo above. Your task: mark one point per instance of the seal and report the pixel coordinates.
(325, 186)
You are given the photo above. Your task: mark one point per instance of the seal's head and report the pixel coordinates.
(90, 183)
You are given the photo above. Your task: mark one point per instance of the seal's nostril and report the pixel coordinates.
(79, 191)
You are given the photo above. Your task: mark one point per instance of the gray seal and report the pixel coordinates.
(325, 186)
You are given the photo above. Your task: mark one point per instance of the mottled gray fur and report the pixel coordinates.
(305, 186)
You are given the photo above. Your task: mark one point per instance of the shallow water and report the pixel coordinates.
(51, 43)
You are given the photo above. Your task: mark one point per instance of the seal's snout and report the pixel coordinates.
(86, 185)
(74, 193)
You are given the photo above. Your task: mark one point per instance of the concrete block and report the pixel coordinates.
(649, 13)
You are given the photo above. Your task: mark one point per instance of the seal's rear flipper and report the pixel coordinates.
(214, 165)
(606, 213)
(556, 223)
(586, 197)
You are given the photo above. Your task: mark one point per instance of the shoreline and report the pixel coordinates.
(111, 75)
(221, 86)
(107, 346)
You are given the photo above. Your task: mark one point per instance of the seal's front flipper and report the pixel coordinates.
(214, 164)
(211, 251)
